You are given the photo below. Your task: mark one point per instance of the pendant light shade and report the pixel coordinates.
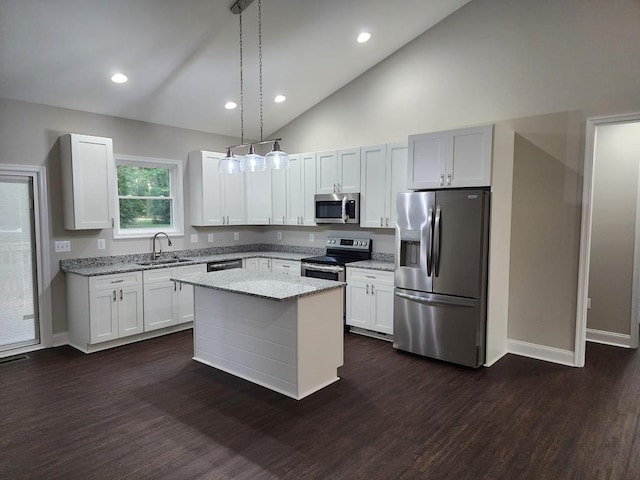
(229, 164)
(277, 159)
(252, 162)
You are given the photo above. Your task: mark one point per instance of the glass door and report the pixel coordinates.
(18, 283)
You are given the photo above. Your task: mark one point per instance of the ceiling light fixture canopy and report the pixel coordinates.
(252, 162)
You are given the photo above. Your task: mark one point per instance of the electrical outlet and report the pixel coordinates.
(312, 237)
(210, 238)
(194, 238)
(236, 236)
(101, 244)
(63, 246)
(279, 235)
(588, 303)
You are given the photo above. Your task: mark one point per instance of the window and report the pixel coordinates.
(149, 197)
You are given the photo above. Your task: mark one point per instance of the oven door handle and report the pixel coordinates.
(320, 268)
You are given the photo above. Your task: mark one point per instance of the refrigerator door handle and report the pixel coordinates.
(439, 300)
(436, 242)
(429, 239)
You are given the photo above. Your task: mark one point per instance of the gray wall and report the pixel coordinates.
(615, 191)
(548, 65)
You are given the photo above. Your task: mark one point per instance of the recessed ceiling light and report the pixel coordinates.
(119, 78)
(230, 105)
(279, 98)
(363, 37)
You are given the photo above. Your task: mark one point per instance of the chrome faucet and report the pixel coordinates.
(154, 255)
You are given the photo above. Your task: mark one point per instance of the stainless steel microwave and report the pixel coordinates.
(337, 208)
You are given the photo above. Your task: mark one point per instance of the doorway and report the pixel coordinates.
(24, 300)
(610, 233)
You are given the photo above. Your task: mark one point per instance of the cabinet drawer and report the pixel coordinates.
(366, 275)
(118, 280)
(189, 269)
(159, 275)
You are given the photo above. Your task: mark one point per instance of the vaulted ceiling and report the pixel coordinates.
(182, 57)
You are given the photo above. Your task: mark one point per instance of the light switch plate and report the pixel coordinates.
(279, 235)
(63, 246)
(101, 244)
(312, 237)
(210, 238)
(194, 238)
(236, 236)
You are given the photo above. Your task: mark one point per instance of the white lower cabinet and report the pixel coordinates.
(257, 264)
(285, 267)
(370, 300)
(103, 308)
(167, 303)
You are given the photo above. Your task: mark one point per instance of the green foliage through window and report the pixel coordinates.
(144, 196)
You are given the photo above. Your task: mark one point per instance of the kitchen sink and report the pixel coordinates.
(167, 261)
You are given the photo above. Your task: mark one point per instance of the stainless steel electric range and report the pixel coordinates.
(339, 252)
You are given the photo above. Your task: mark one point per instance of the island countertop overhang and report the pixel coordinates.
(271, 286)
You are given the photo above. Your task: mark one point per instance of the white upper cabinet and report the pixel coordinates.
(301, 188)
(215, 198)
(451, 159)
(279, 197)
(384, 174)
(88, 181)
(258, 195)
(338, 171)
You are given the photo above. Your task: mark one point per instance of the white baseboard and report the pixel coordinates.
(541, 352)
(60, 339)
(608, 338)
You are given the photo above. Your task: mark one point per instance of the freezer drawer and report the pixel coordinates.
(439, 326)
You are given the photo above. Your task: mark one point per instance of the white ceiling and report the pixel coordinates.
(182, 56)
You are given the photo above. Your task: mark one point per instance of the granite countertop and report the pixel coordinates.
(383, 265)
(272, 286)
(132, 266)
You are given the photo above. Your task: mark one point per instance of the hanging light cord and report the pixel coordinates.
(241, 85)
(260, 59)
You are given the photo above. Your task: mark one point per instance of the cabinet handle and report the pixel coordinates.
(381, 221)
(367, 289)
(223, 221)
(228, 220)
(117, 281)
(448, 179)
(372, 292)
(370, 276)
(120, 294)
(339, 188)
(269, 219)
(442, 179)
(114, 296)
(175, 287)
(285, 266)
(387, 221)
(180, 286)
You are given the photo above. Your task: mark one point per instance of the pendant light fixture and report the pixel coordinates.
(252, 162)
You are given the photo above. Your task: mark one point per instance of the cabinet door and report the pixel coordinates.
(327, 172)
(470, 158)
(358, 304)
(279, 197)
(160, 309)
(211, 189)
(427, 160)
(372, 196)
(396, 179)
(295, 191)
(233, 202)
(88, 178)
(258, 198)
(103, 315)
(130, 314)
(251, 264)
(382, 306)
(264, 264)
(349, 175)
(185, 293)
(309, 188)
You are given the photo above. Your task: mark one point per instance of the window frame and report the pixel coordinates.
(175, 168)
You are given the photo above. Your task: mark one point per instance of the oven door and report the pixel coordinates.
(326, 272)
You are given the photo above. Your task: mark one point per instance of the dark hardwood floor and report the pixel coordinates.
(148, 411)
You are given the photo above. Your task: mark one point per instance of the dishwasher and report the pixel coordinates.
(223, 265)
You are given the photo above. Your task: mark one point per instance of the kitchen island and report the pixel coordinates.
(284, 333)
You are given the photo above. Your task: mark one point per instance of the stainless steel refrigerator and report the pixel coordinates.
(440, 302)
